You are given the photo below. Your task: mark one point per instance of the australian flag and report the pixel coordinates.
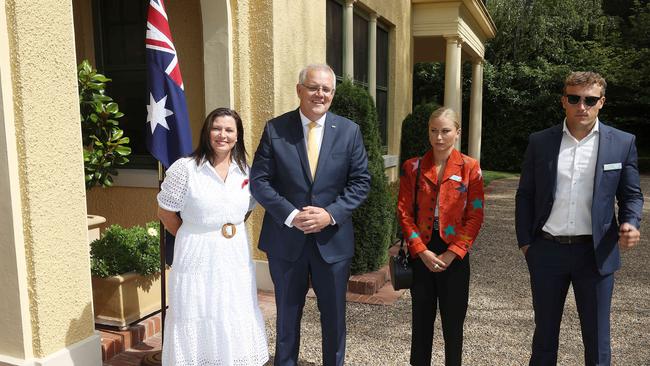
(168, 133)
(168, 127)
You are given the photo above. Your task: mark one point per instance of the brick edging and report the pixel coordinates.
(115, 341)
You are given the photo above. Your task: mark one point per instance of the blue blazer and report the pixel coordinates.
(536, 191)
(281, 181)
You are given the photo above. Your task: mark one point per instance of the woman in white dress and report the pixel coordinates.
(213, 316)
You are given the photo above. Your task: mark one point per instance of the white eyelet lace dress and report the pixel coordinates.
(213, 318)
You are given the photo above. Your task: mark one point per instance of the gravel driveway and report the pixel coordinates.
(499, 324)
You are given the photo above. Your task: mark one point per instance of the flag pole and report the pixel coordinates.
(155, 358)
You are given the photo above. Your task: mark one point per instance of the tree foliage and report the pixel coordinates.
(428, 83)
(538, 43)
(373, 220)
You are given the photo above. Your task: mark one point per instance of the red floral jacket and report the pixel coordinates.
(460, 209)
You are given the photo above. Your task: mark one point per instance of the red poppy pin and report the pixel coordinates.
(244, 183)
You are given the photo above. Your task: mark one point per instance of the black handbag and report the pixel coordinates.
(399, 266)
(401, 272)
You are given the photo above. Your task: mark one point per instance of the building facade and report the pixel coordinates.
(243, 54)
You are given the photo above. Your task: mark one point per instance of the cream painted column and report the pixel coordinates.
(46, 304)
(372, 56)
(476, 110)
(217, 54)
(453, 90)
(15, 338)
(348, 39)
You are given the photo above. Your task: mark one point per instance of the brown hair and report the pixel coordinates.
(585, 78)
(205, 151)
(448, 113)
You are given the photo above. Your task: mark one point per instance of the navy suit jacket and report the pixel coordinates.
(536, 191)
(281, 181)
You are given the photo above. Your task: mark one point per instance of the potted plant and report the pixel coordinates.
(125, 264)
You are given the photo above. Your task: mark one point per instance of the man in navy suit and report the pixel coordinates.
(571, 177)
(309, 173)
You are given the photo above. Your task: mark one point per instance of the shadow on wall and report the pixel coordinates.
(77, 332)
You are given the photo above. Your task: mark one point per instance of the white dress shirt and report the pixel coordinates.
(576, 166)
(319, 136)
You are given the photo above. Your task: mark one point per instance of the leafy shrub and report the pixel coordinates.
(429, 83)
(121, 250)
(373, 220)
(415, 136)
(396, 230)
(105, 146)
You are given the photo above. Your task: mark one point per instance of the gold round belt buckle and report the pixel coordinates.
(228, 230)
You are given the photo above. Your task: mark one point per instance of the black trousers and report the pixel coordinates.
(450, 290)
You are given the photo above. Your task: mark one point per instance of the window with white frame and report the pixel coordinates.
(382, 82)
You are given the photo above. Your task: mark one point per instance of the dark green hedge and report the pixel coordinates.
(373, 221)
(415, 135)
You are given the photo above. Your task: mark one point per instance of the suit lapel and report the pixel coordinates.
(299, 135)
(604, 139)
(556, 141)
(329, 136)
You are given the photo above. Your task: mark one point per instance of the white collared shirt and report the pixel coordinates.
(319, 129)
(576, 167)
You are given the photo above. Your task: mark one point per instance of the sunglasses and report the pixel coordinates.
(575, 99)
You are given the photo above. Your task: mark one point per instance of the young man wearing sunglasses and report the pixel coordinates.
(572, 175)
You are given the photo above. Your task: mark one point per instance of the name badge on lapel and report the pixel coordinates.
(456, 178)
(612, 166)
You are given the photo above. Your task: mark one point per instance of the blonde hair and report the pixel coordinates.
(446, 112)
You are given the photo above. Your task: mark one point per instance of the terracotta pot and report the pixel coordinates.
(125, 299)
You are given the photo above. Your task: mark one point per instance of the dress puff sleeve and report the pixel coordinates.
(174, 189)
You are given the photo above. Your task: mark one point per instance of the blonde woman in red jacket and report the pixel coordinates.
(449, 216)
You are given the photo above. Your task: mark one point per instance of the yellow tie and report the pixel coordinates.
(312, 148)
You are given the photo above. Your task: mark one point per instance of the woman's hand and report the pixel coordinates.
(447, 257)
(170, 220)
(433, 262)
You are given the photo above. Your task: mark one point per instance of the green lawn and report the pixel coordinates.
(490, 175)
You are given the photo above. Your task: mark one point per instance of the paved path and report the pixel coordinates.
(499, 324)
